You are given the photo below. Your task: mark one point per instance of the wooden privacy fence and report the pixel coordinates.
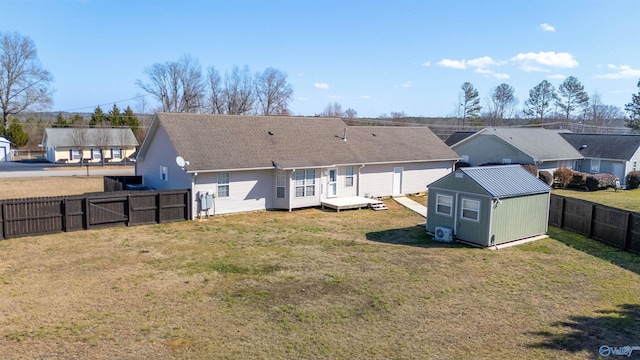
(620, 228)
(37, 216)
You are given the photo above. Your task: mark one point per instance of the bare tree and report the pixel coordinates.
(350, 113)
(216, 91)
(239, 92)
(502, 103)
(179, 86)
(332, 110)
(24, 84)
(102, 138)
(398, 114)
(79, 138)
(273, 92)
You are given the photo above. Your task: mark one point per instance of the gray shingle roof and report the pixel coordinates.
(506, 181)
(53, 137)
(541, 144)
(605, 146)
(214, 142)
(458, 136)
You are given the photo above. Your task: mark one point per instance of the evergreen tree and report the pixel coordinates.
(540, 100)
(572, 96)
(470, 102)
(131, 120)
(61, 122)
(633, 108)
(98, 117)
(16, 134)
(115, 117)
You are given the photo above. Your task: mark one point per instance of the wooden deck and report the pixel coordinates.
(350, 202)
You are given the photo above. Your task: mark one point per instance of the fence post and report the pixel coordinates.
(562, 212)
(187, 201)
(627, 243)
(127, 209)
(4, 220)
(159, 211)
(87, 218)
(65, 218)
(591, 220)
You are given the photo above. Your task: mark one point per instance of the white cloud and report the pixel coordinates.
(478, 63)
(548, 28)
(539, 61)
(620, 72)
(323, 86)
(406, 84)
(556, 77)
(491, 73)
(426, 64)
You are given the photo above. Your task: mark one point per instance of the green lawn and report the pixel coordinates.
(311, 284)
(622, 199)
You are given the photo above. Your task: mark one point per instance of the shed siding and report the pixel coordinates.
(472, 231)
(488, 148)
(520, 217)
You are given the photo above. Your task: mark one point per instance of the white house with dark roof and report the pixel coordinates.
(244, 163)
(70, 145)
(546, 149)
(616, 154)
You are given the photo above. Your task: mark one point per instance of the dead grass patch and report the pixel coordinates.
(309, 284)
(13, 188)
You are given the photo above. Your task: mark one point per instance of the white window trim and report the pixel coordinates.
(466, 208)
(438, 196)
(75, 152)
(348, 176)
(96, 154)
(226, 184)
(118, 150)
(506, 161)
(164, 173)
(595, 164)
(281, 183)
(307, 182)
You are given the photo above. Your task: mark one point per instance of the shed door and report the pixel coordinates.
(397, 180)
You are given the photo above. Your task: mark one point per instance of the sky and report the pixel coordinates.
(374, 56)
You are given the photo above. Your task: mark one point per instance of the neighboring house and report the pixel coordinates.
(458, 136)
(5, 149)
(606, 153)
(488, 205)
(69, 145)
(547, 149)
(243, 163)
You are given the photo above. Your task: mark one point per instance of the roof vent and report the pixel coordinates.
(583, 146)
(374, 134)
(270, 132)
(344, 137)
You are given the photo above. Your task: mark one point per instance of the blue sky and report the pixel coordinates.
(373, 56)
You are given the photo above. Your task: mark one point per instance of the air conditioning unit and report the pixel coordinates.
(444, 234)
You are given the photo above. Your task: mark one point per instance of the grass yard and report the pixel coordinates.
(622, 199)
(12, 188)
(311, 284)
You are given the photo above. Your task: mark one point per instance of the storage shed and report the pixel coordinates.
(488, 206)
(5, 149)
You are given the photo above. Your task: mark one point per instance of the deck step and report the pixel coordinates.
(379, 206)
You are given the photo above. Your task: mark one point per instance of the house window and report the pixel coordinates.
(348, 176)
(305, 183)
(116, 153)
(634, 166)
(75, 154)
(471, 209)
(281, 184)
(164, 173)
(506, 161)
(96, 154)
(223, 184)
(444, 204)
(595, 166)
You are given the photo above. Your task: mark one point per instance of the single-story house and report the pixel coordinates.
(70, 145)
(488, 205)
(616, 154)
(244, 163)
(546, 149)
(5, 149)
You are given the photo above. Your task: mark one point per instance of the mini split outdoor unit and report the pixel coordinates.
(443, 234)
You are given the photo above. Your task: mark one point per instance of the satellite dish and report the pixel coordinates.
(180, 161)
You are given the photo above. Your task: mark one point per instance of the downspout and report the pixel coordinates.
(358, 190)
(289, 197)
(455, 216)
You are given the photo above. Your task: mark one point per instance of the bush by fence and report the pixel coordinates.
(37, 216)
(617, 227)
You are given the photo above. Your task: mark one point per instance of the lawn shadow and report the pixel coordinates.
(410, 236)
(607, 328)
(619, 257)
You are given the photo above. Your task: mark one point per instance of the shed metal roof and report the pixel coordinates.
(506, 180)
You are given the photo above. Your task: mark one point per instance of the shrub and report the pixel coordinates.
(578, 180)
(563, 176)
(633, 180)
(546, 177)
(600, 181)
(531, 168)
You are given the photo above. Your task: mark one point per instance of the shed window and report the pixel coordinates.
(281, 182)
(223, 184)
(305, 183)
(471, 209)
(595, 166)
(348, 176)
(444, 204)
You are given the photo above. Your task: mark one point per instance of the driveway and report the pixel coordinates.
(19, 169)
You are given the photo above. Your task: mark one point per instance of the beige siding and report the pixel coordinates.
(64, 154)
(378, 179)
